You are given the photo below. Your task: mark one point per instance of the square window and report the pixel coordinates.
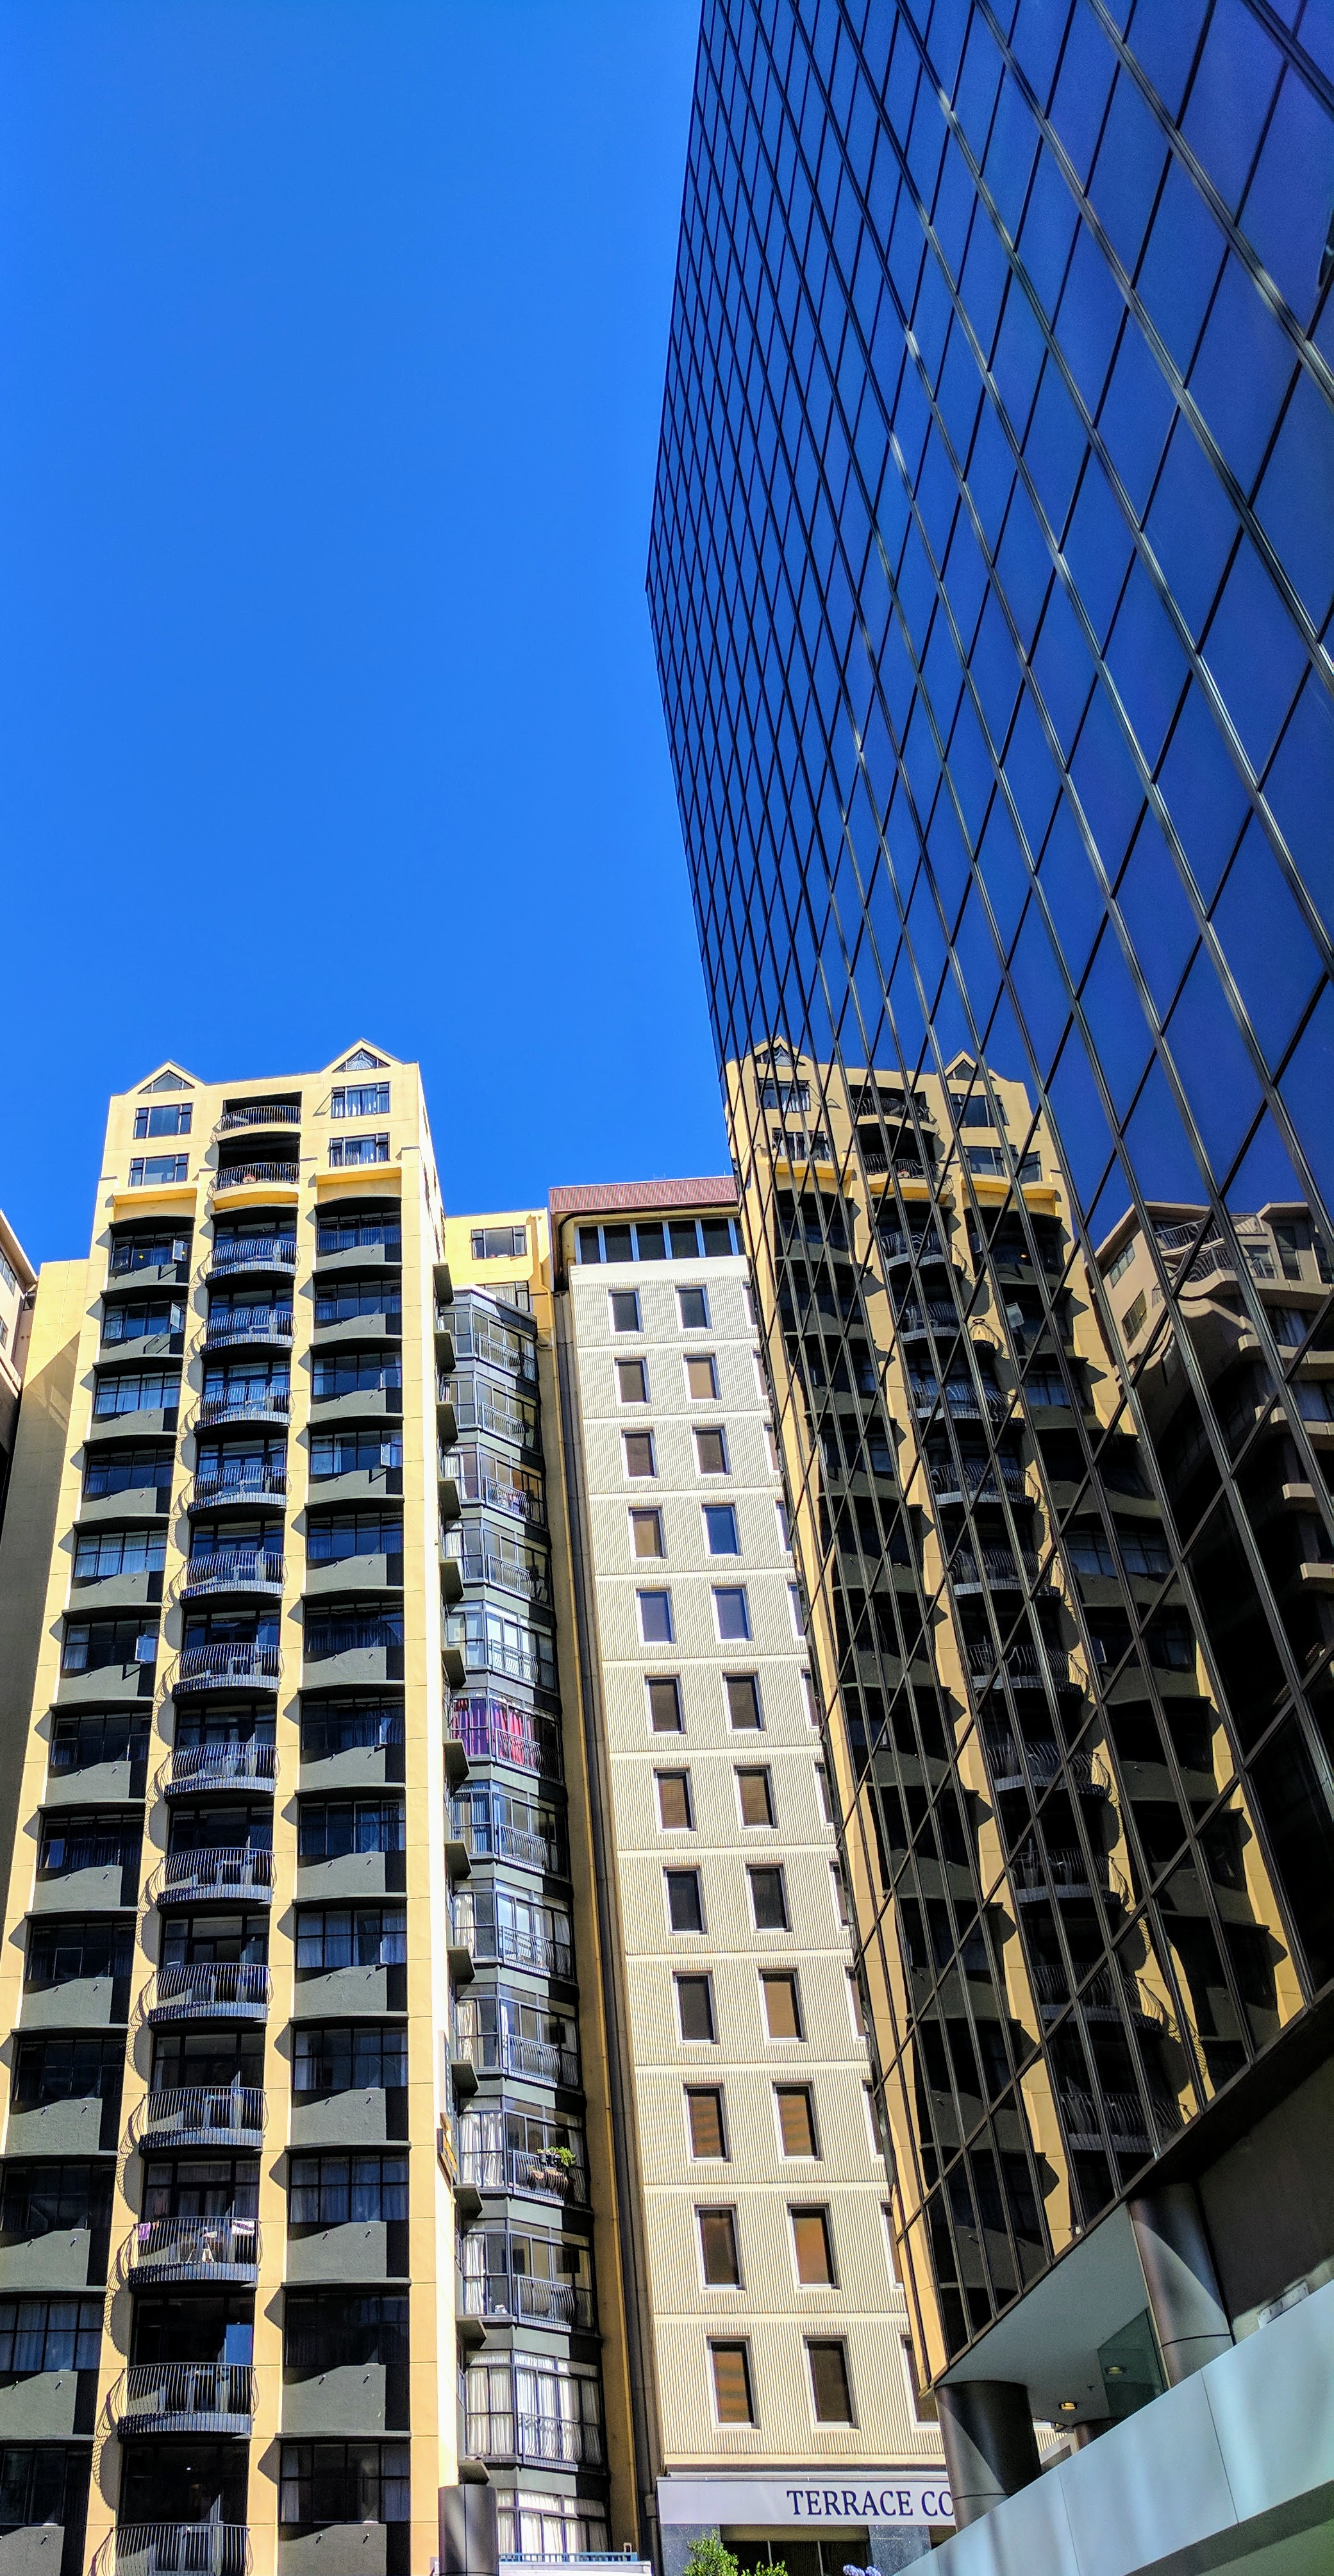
(694, 1306)
(590, 1243)
(685, 1905)
(702, 1378)
(639, 1459)
(831, 2394)
(731, 2383)
(768, 1901)
(684, 1235)
(618, 1245)
(720, 1536)
(704, 2119)
(812, 2249)
(674, 1809)
(796, 2119)
(755, 1791)
(646, 1531)
(719, 2256)
(655, 1618)
(782, 2011)
(694, 2006)
(711, 1453)
(624, 1301)
(632, 1381)
(664, 1704)
(743, 1699)
(732, 1612)
(649, 1245)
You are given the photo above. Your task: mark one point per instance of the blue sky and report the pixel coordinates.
(334, 335)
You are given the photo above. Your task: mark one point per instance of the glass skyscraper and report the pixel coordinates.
(991, 570)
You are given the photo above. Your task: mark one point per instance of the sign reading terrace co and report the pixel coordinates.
(807, 2495)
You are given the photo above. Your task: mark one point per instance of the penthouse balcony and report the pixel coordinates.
(183, 2397)
(160, 2250)
(192, 1768)
(240, 1568)
(238, 1663)
(259, 1113)
(200, 2115)
(189, 1877)
(175, 2549)
(271, 1173)
(227, 1990)
(239, 1253)
(250, 1324)
(248, 1402)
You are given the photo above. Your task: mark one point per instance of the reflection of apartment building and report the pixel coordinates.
(17, 1281)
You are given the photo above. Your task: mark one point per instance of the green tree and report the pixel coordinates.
(708, 2557)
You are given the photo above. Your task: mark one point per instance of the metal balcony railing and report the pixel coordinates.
(931, 1318)
(265, 1404)
(480, 1487)
(245, 1482)
(500, 1734)
(1019, 1662)
(241, 1871)
(492, 1839)
(514, 1663)
(209, 1990)
(248, 1765)
(183, 2397)
(225, 2248)
(230, 1569)
(257, 1324)
(509, 2053)
(895, 1245)
(175, 2549)
(976, 1478)
(992, 1569)
(239, 1176)
(1103, 1997)
(512, 1946)
(1127, 2121)
(509, 1574)
(223, 1667)
(496, 2434)
(260, 1113)
(252, 1252)
(231, 2115)
(1065, 1870)
(536, 2173)
(523, 2294)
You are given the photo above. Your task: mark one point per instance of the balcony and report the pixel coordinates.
(186, 1877)
(262, 1404)
(915, 1321)
(1066, 1873)
(493, 1731)
(230, 1569)
(507, 1573)
(521, 2297)
(507, 2052)
(190, 2249)
(1108, 1993)
(244, 1176)
(183, 2397)
(536, 2173)
(256, 1324)
(241, 1663)
(993, 1569)
(259, 1113)
(975, 1481)
(490, 1838)
(175, 2549)
(259, 1252)
(897, 1246)
(209, 1990)
(191, 1768)
(499, 2435)
(513, 1945)
(1126, 2128)
(1020, 1664)
(242, 1482)
(200, 2115)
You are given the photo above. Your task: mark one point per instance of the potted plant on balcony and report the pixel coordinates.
(552, 2169)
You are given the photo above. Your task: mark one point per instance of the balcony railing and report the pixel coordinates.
(226, 2248)
(262, 1404)
(209, 1990)
(224, 1667)
(977, 1479)
(183, 2397)
(1127, 2122)
(538, 2175)
(1103, 1998)
(175, 2549)
(205, 2115)
(260, 1113)
(992, 1569)
(931, 1318)
(1021, 1663)
(1066, 1872)
(257, 1324)
(252, 1252)
(245, 1482)
(509, 1574)
(895, 1245)
(499, 2435)
(494, 1732)
(480, 1487)
(248, 1765)
(239, 1176)
(507, 2052)
(240, 1872)
(523, 2294)
(514, 1663)
(231, 1569)
(510, 1945)
(491, 1839)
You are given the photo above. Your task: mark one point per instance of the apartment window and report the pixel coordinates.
(142, 1317)
(94, 1645)
(172, 1120)
(811, 2247)
(782, 2009)
(761, 1381)
(873, 2129)
(360, 2057)
(796, 2119)
(347, 1152)
(675, 1813)
(354, 2482)
(732, 1612)
(794, 1603)
(711, 1452)
(337, 2191)
(158, 1171)
(784, 1531)
(812, 1704)
(632, 1381)
(731, 2383)
(704, 2120)
(840, 1895)
(10, 1275)
(685, 1905)
(768, 1900)
(923, 2403)
(1122, 1262)
(702, 1378)
(106, 1552)
(625, 1310)
(1133, 1319)
(775, 1467)
(755, 1792)
(694, 1309)
(750, 1302)
(646, 1532)
(743, 1699)
(331, 1828)
(720, 1532)
(825, 1794)
(831, 2394)
(500, 1242)
(351, 1936)
(49, 2334)
(720, 2258)
(639, 1459)
(655, 1618)
(694, 2006)
(664, 1704)
(360, 1100)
